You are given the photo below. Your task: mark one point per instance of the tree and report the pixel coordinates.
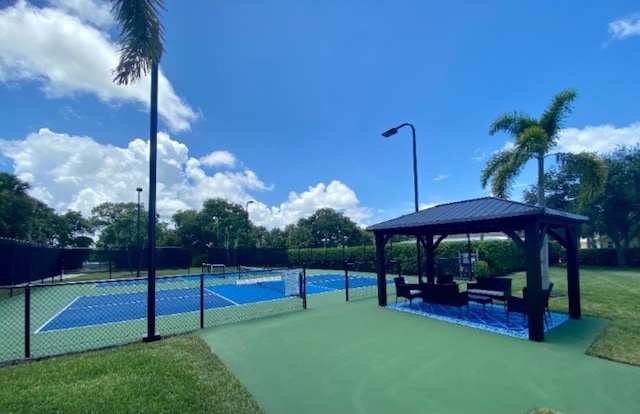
(328, 228)
(141, 41)
(563, 192)
(117, 224)
(16, 207)
(534, 139)
(224, 224)
(188, 230)
(43, 225)
(74, 230)
(617, 210)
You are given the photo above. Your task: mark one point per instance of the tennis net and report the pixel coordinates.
(285, 281)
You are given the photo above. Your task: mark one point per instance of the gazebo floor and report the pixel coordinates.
(493, 318)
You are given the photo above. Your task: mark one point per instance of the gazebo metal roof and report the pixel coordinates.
(477, 215)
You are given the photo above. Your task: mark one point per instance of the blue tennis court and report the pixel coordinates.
(332, 282)
(93, 310)
(120, 307)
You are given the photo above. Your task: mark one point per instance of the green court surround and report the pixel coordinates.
(357, 357)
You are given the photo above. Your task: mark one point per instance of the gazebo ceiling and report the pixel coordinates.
(475, 216)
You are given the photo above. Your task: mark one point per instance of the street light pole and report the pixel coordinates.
(139, 190)
(248, 229)
(248, 222)
(387, 134)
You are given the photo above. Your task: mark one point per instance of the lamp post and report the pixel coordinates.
(139, 190)
(248, 221)
(248, 226)
(387, 134)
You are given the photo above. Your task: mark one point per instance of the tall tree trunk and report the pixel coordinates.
(544, 251)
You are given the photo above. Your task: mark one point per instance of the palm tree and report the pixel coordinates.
(534, 139)
(141, 42)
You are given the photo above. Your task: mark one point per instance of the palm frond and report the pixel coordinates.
(533, 141)
(513, 123)
(592, 172)
(141, 38)
(503, 167)
(496, 160)
(560, 108)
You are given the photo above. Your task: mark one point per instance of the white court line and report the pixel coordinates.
(56, 315)
(223, 297)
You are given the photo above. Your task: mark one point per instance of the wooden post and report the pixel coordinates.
(430, 256)
(573, 273)
(382, 276)
(534, 281)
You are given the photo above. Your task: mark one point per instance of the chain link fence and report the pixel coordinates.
(57, 318)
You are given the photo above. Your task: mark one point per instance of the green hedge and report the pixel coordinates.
(501, 256)
(608, 257)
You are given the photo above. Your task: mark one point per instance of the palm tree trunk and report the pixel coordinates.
(544, 250)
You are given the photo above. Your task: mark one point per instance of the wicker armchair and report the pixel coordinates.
(405, 290)
(520, 305)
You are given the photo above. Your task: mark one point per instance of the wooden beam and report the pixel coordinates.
(534, 281)
(514, 236)
(558, 237)
(437, 242)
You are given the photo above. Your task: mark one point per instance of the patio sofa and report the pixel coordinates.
(444, 294)
(498, 288)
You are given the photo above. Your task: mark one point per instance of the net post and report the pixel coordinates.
(201, 300)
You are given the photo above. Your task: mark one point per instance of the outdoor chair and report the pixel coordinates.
(520, 305)
(407, 291)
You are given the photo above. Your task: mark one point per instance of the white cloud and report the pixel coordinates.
(625, 27)
(69, 52)
(336, 195)
(76, 172)
(441, 177)
(219, 158)
(601, 138)
(95, 12)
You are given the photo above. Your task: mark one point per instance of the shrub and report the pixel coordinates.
(481, 269)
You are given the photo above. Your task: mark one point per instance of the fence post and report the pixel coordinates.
(27, 321)
(346, 280)
(201, 300)
(303, 285)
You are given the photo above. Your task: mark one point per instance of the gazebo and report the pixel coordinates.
(483, 215)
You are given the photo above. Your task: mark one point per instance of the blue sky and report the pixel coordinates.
(283, 102)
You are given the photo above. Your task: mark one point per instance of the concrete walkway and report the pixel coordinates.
(339, 357)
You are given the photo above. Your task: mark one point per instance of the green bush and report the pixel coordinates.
(498, 257)
(597, 257)
(481, 269)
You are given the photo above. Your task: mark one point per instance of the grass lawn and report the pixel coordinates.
(609, 293)
(177, 374)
